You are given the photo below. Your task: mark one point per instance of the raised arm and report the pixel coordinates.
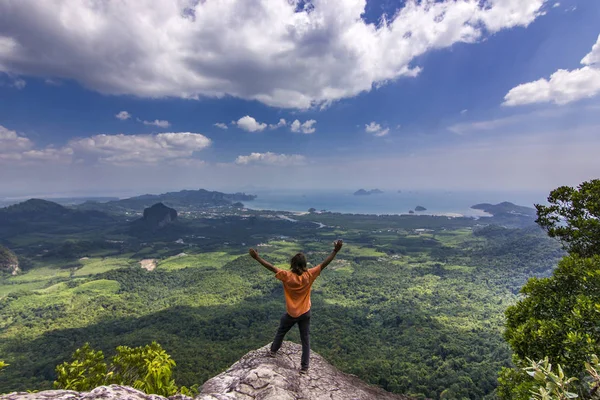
(266, 264)
(336, 247)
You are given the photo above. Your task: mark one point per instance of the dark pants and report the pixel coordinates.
(285, 324)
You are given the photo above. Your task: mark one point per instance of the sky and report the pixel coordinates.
(107, 97)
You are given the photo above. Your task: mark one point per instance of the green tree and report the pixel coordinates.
(559, 316)
(573, 216)
(147, 368)
(86, 371)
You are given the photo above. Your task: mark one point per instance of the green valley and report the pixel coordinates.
(414, 304)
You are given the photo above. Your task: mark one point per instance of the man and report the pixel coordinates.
(297, 284)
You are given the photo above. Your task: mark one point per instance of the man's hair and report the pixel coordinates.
(298, 263)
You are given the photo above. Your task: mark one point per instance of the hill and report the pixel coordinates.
(363, 192)
(505, 208)
(43, 216)
(156, 217)
(254, 376)
(187, 200)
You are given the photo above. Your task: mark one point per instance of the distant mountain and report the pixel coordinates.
(505, 208)
(159, 215)
(8, 261)
(42, 216)
(186, 200)
(158, 220)
(363, 192)
(420, 208)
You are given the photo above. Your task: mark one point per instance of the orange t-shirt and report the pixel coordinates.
(297, 289)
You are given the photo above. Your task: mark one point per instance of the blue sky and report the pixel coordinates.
(428, 95)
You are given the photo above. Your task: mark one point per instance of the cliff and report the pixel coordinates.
(254, 376)
(8, 261)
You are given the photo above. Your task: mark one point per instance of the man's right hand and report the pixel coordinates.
(253, 253)
(337, 245)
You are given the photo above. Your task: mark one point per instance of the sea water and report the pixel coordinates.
(390, 202)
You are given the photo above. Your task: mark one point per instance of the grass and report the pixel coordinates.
(94, 266)
(104, 286)
(209, 259)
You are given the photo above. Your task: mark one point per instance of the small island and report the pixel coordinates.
(363, 192)
(420, 208)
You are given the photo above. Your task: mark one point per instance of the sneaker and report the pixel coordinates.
(304, 371)
(271, 354)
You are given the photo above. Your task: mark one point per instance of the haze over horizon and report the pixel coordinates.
(136, 97)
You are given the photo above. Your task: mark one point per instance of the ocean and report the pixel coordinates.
(390, 202)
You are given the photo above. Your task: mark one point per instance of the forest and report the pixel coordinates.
(414, 304)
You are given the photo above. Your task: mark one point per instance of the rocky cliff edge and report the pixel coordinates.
(255, 376)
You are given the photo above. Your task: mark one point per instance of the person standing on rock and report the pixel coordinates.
(297, 284)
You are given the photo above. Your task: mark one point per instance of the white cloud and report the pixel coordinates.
(19, 84)
(49, 154)
(221, 125)
(376, 129)
(307, 127)
(557, 4)
(161, 123)
(123, 115)
(52, 82)
(11, 142)
(249, 124)
(174, 148)
(187, 49)
(563, 86)
(282, 122)
(593, 57)
(271, 159)
(372, 127)
(126, 149)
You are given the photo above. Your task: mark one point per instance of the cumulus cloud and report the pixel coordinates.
(307, 127)
(282, 122)
(249, 124)
(309, 56)
(15, 148)
(221, 125)
(376, 129)
(161, 123)
(11, 142)
(123, 115)
(269, 158)
(174, 148)
(563, 86)
(126, 149)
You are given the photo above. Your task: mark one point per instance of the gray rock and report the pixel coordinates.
(112, 392)
(257, 376)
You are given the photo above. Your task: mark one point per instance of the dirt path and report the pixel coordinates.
(149, 264)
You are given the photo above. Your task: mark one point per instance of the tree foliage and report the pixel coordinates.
(558, 320)
(573, 216)
(86, 370)
(146, 368)
(560, 315)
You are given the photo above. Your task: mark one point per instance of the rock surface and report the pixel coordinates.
(159, 215)
(9, 261)
(257, 376)
(112, 392)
